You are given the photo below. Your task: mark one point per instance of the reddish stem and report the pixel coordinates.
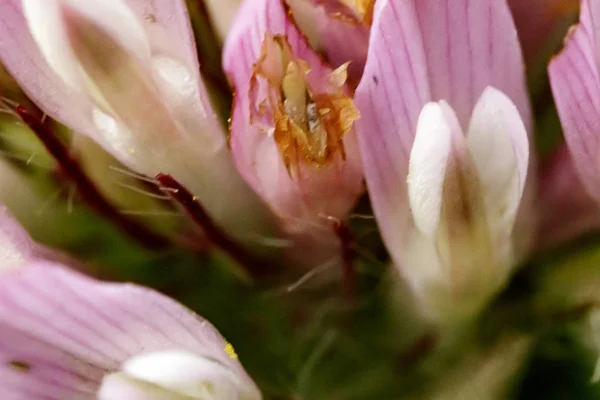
(418, 351)
(347, 244)
(254, 265)
(86, 188)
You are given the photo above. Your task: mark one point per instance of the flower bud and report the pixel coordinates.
(463, 204)
(292, 131)
(125, 73)
(444, 143)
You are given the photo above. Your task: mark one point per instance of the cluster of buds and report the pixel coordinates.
(422, 103)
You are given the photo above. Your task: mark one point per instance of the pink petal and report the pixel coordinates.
(61, 332)
(422, 51)
(470, 46)
(567, 210)
(390, 97)
(343, 42)
(168, 23)
(254, 20)
(20, 55)
(318, 191)
(576, 87)
(339, 38)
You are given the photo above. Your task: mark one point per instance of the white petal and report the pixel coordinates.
(119, 21)
(428, 164)
(187, 374)
(119, 386)
(47, 28)
(497, 141)
(47, 25)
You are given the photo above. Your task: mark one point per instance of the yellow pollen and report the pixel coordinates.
(230, 351)
(309, 122)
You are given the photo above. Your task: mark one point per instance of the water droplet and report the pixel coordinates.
(176, 74)
(11, 256)
(113, 134)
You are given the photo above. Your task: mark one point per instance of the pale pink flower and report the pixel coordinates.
(444, 143)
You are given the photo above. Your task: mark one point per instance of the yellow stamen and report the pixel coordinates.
(307, 126)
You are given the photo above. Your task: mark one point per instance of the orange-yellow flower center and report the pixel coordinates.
(362, 8)
(307, 123)
(355, 10)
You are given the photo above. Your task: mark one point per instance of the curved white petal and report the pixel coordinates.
(428, 164)
(498, 143)
(120, 386)
(187, 374)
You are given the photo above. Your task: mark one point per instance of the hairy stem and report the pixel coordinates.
(86, 188)
(255, 266)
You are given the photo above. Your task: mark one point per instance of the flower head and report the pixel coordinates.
(292, 131)
(444, 145)
(64, 335)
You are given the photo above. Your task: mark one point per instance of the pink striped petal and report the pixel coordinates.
(61, 333)
(297, 190)
(470, 46)
(576, 86)
(422, 51)
(390, 97)
(21, 56)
